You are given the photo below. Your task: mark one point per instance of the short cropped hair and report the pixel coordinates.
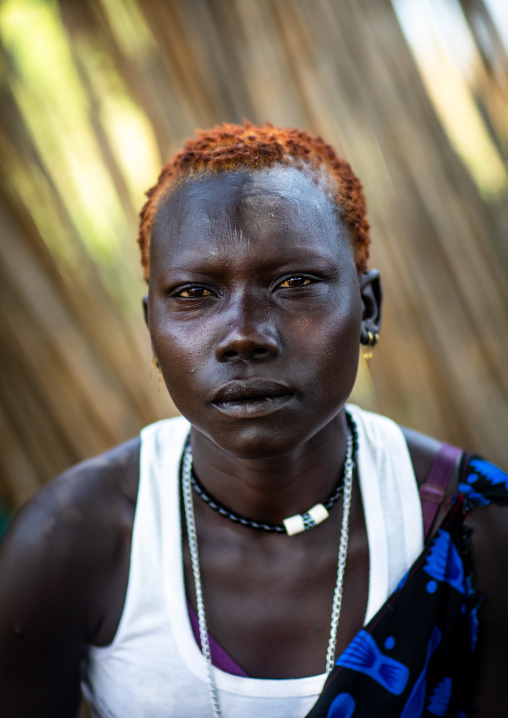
(230, 148)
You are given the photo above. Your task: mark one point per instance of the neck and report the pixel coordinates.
(272, 489)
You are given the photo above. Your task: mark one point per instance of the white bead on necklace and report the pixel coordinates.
(193, 547)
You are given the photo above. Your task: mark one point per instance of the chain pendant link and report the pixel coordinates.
(341, 562)
(193, 548)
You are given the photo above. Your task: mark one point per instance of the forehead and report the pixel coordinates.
(278, 209)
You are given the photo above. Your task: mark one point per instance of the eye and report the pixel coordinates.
(194, 293)
(294, 282)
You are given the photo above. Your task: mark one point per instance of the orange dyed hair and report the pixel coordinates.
(229, 148)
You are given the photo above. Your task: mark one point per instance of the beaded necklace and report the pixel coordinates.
(293, 524)
(196, 571)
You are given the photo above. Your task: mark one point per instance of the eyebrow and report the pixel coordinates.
(215, 264)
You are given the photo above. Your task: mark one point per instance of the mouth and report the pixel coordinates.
(252, 398)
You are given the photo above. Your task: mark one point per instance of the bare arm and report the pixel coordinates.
(63, 576)
(42, 627)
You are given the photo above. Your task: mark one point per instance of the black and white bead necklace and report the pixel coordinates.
(186, 471)
(293, 524)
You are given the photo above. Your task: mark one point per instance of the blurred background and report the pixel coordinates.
(96, 94)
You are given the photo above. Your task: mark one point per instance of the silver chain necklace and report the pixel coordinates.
(196, 572)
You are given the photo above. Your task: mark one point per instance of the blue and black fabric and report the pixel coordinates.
(416, 657)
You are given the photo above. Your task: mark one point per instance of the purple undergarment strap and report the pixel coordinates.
(220, 658)
(433, 490)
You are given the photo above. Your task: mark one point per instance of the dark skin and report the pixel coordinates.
(252, 280)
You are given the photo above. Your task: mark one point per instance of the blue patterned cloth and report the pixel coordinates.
(415, 658)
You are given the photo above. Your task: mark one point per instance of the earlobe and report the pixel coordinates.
(155, 361)
(145, 309)
(372, 298)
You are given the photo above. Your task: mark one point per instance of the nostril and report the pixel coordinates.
(256, 352)
(247, 343)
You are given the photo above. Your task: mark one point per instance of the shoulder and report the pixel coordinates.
(423, 450)
(83, 495)
(485, 490)
(57, 561)
(67, 532)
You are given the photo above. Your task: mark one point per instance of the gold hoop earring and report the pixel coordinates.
(368, 352)
(157, 366)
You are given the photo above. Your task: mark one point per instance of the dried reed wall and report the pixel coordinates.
(75, 353)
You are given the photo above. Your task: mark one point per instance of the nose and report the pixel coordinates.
(248, 337)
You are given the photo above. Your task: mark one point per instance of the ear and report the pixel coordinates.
(145, 308)
(155, 361)
(372, 299)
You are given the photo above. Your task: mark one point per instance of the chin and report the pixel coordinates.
(256, 440)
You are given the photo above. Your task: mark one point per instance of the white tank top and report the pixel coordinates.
(154, 668)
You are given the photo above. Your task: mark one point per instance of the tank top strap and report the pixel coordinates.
(391, 503)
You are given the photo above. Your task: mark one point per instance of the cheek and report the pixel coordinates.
(334, 328)
(320, 351)
(181, 355)
(180, 350)
(331, 344)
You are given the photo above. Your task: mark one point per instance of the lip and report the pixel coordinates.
(251, 398)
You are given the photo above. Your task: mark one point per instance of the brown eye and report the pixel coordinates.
(194, 293)
(294, 282)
